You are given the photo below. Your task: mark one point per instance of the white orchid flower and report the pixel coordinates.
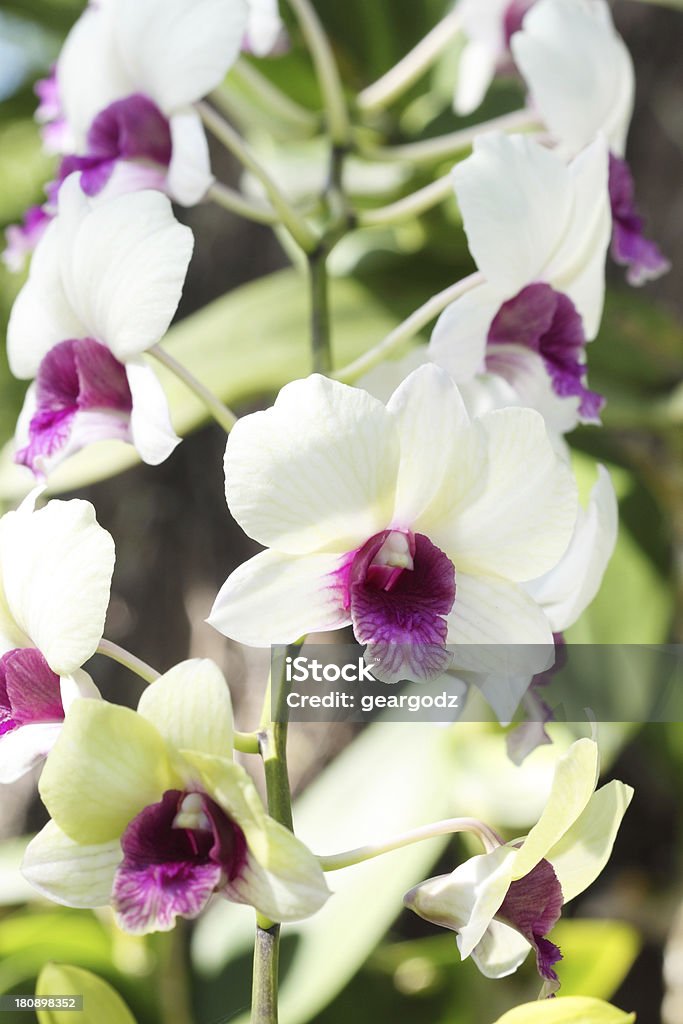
(488, 27)
(503, 903)
(538, 230)
(55, 573)
(151, 816)
(104, 285)
(410, 521)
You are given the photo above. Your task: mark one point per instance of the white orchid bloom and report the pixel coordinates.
(55, 572)
(104, 285)
(538, 230)
(127, 78)
(502, 904)
(265, 28)
(410, 521)
(151, 816)
(581, 80)
(488, 26)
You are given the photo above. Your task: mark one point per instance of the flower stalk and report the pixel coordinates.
(338, 124)
(130, 661)
(224, 416)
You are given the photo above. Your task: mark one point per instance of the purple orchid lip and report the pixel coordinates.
(398, 588)
(546, 322)
(76, 377)
(29, 690)
(533, 905)
(176, 854)
(643, 258)
(132, 129)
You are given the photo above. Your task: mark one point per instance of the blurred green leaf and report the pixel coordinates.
(571, 1010)
(13, 887)
(101, 1004)
(597, 956)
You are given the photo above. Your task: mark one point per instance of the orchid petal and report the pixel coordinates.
(501, 951)
(476, 71)
(23, 748)
(68, 872)
(458, 341)
(275, 599)
(56, 566)
(573, 786)
(190, 706)
(315, 471)
(107, 765)
(189, 173)
(585, 848)
(150, 421)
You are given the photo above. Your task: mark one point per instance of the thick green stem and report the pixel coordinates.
(408, 70)
(223, 416)
(321, 347)
(265, 977)
(123, 657)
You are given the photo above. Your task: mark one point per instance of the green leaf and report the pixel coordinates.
(572, 1010)
(597, 956)
(101, 1004)
(244, 345)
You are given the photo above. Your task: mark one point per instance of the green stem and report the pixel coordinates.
(174, 993)
(232, 140)
(273, 99)
(338, 123)
(407, 330)
(247, 742)
(235, 202)
(265, 977)
(444, 147)
(223, 416)
(490, 841)
(122, 657)
(408, 70)
(410, 206)
(320, 313)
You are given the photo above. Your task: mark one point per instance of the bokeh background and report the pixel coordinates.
(176, 544)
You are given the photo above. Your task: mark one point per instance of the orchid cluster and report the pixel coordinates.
(427, 503)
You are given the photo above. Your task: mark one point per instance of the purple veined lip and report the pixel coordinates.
(29, 691)
(546, 322)
(82, 395)
(399, 587)
(533, 905)
(176, 854)
(131, 130)
(643, 258)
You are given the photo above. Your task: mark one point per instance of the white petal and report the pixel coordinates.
(189, 173)
(527, 376)
(578, 71)
(190, 706)
(522, 524)
(490, 620)
(123, 265)
(467, 899)
(316, 471)
(90, 71)
(179, 50)
(56, 567)
(516, 204)
(106, 766)
(275, 599)
(504, 690)
(68, 873)
(382, 381)
(265, 26)
(476, 71)
(41, 316)
(23, 748)
(150, 421)
(566, 591)
(458, 341)
(284, 882)
(582, 853)
(578, 266)
(501, 951)
(79, 685)
(441, 452)
(573, 786)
